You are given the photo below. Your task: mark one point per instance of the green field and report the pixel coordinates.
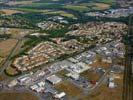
(76, 7)
(106, 1)
(31, 10)
(42, 5)
(64, 8)
(47, 11)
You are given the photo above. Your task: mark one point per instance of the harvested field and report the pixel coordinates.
(90, 75)
(102, 6)
(6, 46)
(101, 64)
(17, 96)
(10, 12)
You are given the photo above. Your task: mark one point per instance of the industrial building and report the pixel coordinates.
(54, 79)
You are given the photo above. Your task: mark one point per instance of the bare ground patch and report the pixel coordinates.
(6, 46)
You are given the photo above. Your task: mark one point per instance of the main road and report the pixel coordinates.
(7, 61)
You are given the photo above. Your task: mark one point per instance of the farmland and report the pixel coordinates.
(10, 12)
(76, 7)
(6, 46)
(17, 96)
(37, 11)
(59, 8)
(48, 12)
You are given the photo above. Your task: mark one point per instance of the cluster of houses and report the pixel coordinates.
(98, 32)
(97, 28)
(48, 25)
(45, 52)
(59, 19)
(72, 46)
(40, 54)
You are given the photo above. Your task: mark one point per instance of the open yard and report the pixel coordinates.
(106, 93)
(6, 46)
(17, 96)
(101, 64)
(90, 75)
(62, 73)
(69, 88)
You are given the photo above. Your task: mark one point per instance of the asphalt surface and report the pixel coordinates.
(12, 53)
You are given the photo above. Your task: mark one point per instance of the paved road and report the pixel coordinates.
(95, 88)
(12, 53)
(100, 82)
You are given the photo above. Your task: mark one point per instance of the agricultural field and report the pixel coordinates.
(101, 6)
(42, 5)
(23, 2)
(88, 7)
(31, 12)
(65, 9)
(6, 46)
(76, 7)
(107, 1)
(47, 12)
(10, 12)
(17, 96)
